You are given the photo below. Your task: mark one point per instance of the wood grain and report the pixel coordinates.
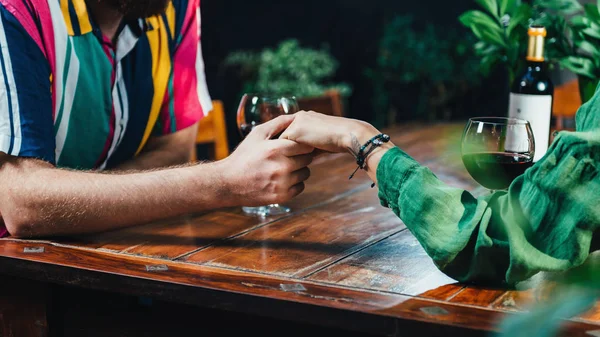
(398, 264)
(478, 296)
(339, 260)
(299, 245)
(268, 295)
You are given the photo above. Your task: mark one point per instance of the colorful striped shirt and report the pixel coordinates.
(70, 97)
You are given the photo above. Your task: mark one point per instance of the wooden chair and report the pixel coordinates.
(329, 104)
(566, 102)
(212, 130)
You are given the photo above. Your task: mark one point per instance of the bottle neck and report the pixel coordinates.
(536, 66)
(535, 49)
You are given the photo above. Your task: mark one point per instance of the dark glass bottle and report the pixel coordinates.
(532, 92)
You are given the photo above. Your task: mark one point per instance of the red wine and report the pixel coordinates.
(245, 129)
(494, 170)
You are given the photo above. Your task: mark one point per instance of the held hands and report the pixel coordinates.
(265, 171)
(337, 134)
(329, 133)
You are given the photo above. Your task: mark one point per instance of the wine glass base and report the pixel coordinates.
(269, 210)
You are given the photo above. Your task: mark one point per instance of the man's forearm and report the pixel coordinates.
(42, 200)
(159, 158)
(164, 151)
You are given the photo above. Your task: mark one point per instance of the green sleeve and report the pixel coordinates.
(545, 222)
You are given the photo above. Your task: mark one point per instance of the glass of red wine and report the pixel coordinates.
(255, 109)
(496, 150)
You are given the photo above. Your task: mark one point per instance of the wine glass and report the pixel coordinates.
(496, 150)
(255, 109)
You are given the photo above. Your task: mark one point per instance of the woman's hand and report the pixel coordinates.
(329, 133)
(336, 135)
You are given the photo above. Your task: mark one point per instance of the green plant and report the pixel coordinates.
(501, 27)
(420, 72)
(288, 69)
(578, 50)
(573, 34)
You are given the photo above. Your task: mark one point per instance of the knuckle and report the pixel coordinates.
(271, 152)
(274, 174)
(278, 170)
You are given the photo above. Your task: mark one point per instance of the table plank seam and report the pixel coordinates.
(210, 268)
(495, 303)
(456, 293)
(355, 190)
(353, 253)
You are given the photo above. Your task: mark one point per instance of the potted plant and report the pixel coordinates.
(410, 78)
(573, 34)
(577, 48)
(288, 69)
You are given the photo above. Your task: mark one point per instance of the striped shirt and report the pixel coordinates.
(71, 97)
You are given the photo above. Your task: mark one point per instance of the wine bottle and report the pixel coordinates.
(532, 93)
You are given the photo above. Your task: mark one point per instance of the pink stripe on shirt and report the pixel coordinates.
(185, 80)
(45, 39)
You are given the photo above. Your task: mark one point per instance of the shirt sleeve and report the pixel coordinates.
(187, 99)
(26, 122)
(544, 222)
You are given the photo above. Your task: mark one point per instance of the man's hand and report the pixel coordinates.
(266, 171)
(37, 199)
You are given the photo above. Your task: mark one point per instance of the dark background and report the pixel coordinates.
(350, 28)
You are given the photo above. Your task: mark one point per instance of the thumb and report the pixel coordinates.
(273, 127)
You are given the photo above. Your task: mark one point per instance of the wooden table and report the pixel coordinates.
(340, 263)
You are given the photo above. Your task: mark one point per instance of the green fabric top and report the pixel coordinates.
(545, 222)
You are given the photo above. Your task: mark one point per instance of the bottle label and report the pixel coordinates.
(537, 109)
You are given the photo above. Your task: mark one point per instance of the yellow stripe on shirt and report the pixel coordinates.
(161, 71)
(170, 13)
(85, 26)
(64, 7)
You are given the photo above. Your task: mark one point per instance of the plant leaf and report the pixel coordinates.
(475, 17)
(523, 13)
(565, 7)
(586, 26)
(489, 5)
(488, 35)
(580, 22)
(579, 65)
(507, 6)
(589, 48)
(592, 13)
(592, 31)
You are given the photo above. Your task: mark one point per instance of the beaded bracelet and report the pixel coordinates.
(361, 157)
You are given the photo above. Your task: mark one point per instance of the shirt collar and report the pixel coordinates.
(79, 22)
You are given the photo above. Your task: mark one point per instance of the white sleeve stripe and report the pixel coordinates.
(201, 87)
(14, 100)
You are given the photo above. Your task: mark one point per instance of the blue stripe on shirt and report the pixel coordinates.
(31, 72)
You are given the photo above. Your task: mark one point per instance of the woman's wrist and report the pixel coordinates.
(358, 136)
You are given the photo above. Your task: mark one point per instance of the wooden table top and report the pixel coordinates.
(339, 259)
